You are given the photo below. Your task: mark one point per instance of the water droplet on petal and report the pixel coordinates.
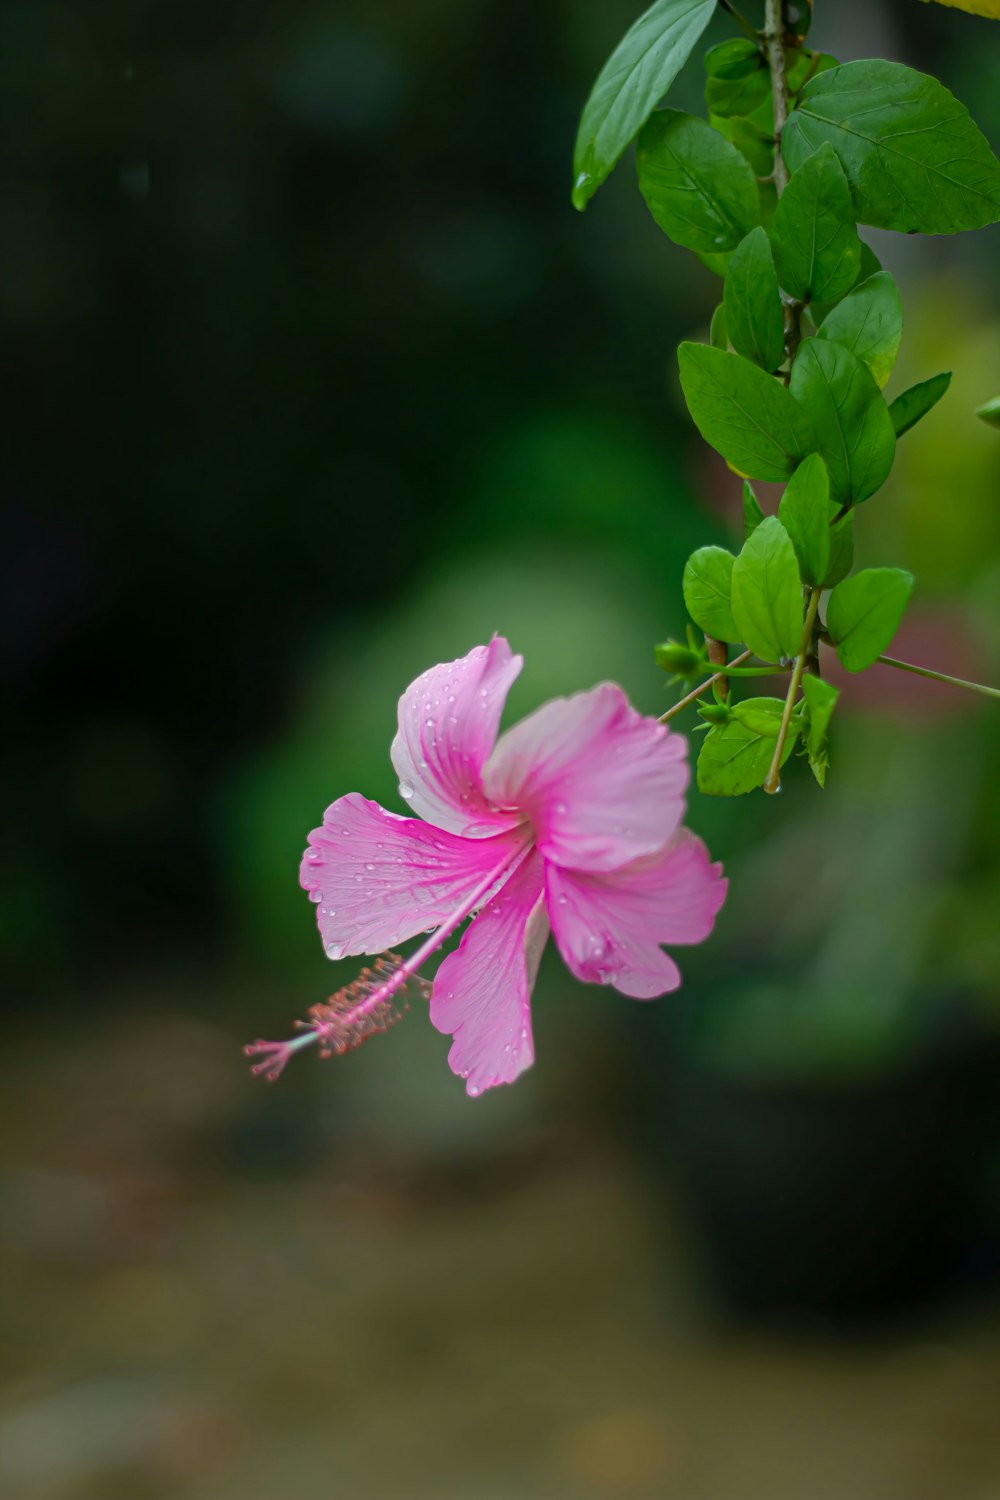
(405, 790)
(313, 854)
(316, 895)
(473, 1090)
(331, 950)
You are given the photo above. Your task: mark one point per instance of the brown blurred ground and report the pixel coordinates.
(514, 1325)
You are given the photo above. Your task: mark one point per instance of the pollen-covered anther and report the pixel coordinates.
(379, 997)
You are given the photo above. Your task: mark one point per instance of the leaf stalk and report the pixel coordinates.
(773, 782)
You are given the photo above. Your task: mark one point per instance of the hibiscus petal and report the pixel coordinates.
(482, 991)
(609, 927)
(448, 721)
(378, 879)
(602, 784)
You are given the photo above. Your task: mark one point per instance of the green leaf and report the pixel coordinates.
(752, 513)
(736, 58)
(853, 428)
(821, 699)
(708, 575)
(735, 758)
(749, 417)
(699, 189)
(631, 84)
(737, 96)
(816, 247)
(798, 19)
(756, 145)
(870, 263)
(754, 320)
(869, 322)
(841, 552)
(863, 614)
(806, 512)
(913, 404)
(762, 715)
(766, 593)
(913, 156)
(990, 412)
(718, 264)
(717, 336)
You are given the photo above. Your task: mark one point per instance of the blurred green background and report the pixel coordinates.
(313, 378)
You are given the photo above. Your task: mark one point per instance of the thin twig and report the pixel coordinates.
(740, 20)
(691, 697)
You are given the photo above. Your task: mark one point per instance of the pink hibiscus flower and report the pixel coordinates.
(569, 823)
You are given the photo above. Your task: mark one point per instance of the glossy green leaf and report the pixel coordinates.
(912, 154)
(736, 58)
(630, 86)
(841, 552)
(749, 417)
(863, 613)
(708, 577)
(805, 512)
(851, 421)
(870, 263)
(869, 322)
(754, 321)
(798, 16)
(736, 758)
(717, 264)
(990, 412)
(821, 699)
(697, 186)
(762, 715)
(816, 247)
(913, 404)
(717, 336)
(767, 594)
(737, 96)
(754, 144)
(752, 513)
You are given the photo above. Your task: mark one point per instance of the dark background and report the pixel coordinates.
(312, 377)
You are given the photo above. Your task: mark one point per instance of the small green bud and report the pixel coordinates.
(715, 713)
(681, 661)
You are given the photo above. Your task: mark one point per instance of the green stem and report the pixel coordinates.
(962, 682)
(773, 669)
(773, 782)
(774, 47)
(691, 697)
